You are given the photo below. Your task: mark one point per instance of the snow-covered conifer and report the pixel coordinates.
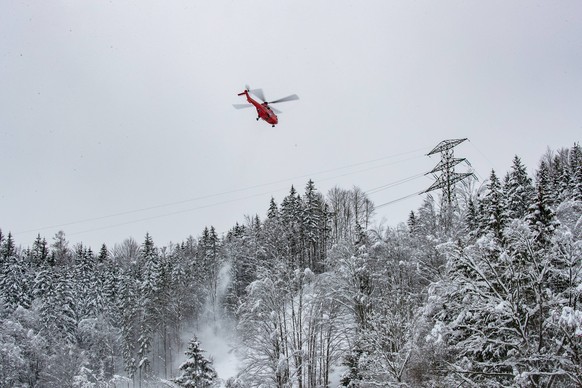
(197, 370)
(518, 190)
(39, 252)
(15, 286)
(493, 214)
(575, 172)
(87, 288)
(541, 215)
(273, 211)
(57, 305)
(314, 227)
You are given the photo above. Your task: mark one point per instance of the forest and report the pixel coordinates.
(484, 290)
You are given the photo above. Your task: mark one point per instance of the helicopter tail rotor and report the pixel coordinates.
(247, 90)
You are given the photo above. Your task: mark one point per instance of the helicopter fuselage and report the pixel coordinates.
(263, 110)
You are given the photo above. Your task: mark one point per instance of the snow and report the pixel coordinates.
(217, 335)
(336, 375)
(308, 274)
(217, 341)
(572, 319)
(437, 332)
(503, 307)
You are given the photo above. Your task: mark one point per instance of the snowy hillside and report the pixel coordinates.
(486, 291)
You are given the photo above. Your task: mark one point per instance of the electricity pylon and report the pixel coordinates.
(446, 181)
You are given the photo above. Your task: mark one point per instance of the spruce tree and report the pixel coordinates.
(86, 287)
(209, 252)
(127, 307)
(58, 320)
(541, 215)
(103, 253)
(14, 281)
(291, 222)
(273, 212)
(493, 219)
(314, 220)
(109, 276)
(148, 302)
(197, 370)
(411, 223)
(39, 253)
(291, 209)
(519, 190)
(575, 167)
(472, 218)
(8, 247)
(352, 376)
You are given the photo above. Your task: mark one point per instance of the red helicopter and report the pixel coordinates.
(264, 111)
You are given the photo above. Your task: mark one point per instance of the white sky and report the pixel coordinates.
(110, 108)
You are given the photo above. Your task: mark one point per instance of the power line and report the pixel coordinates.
(170, 214)
(393, 184)
(240, 199)
(482, 154)
(221, 194)
(398, 200)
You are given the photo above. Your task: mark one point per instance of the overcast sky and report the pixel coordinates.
(116, 118)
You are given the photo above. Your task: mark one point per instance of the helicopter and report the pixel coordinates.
(264, 111)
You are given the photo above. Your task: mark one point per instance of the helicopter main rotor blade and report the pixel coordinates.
(277, 111)
(259, 94)
(284, 99)
(242, 106)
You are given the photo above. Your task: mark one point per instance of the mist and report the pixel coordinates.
(215, 332)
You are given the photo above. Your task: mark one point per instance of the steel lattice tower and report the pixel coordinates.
(446, 181)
